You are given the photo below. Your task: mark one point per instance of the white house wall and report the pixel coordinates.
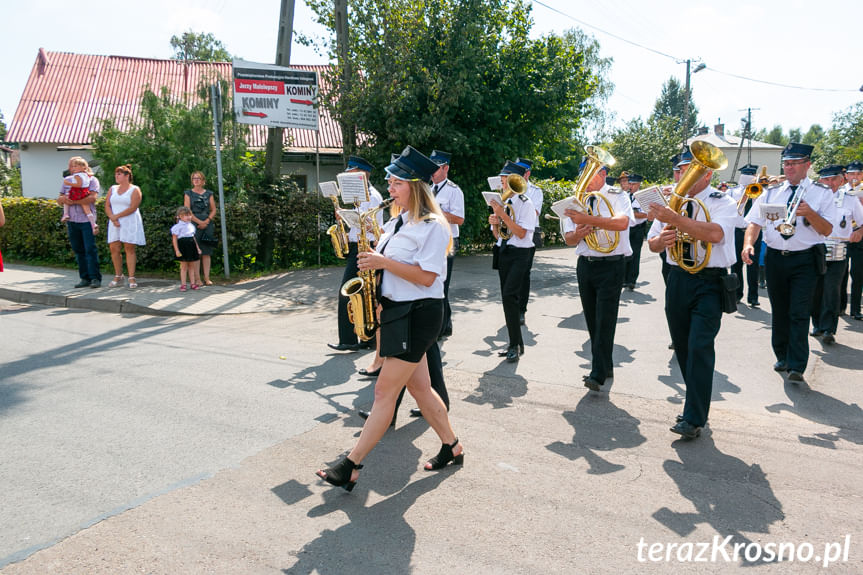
(42, 167)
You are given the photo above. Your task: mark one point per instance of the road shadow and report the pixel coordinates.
(499, 387)
(729, 495)
(674, 380)
(620, 355)
(500, 340)
(600, 426)
(839, 355)
(821, 408)
(377, 538)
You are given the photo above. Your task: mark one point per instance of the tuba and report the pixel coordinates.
(338, 234)
(753, 190)
(361, 290)
(705, 157)
(513, 186)
(602, 241)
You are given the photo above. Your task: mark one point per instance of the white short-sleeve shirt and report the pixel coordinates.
(620, 204)
(849, 212)
(524, 214)
(450, 198)
(534, 192)
(423, 243)
(375, 199)
(819, 198)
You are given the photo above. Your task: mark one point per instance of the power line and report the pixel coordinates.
(681, 60)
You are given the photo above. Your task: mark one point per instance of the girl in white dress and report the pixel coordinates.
(126, 229)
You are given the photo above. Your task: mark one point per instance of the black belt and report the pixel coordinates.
(791, 252)
(705, 273)
(602, 259)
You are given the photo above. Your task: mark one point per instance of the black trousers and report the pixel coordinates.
(751, 271)
(790, 282)
(825, 298)
(513, 265)
(346, 328)
(599, 283)
(855, 255)
(693, 308)
(447, 310)
(633, 262)
(524, 294)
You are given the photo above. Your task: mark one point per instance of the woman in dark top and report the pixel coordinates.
(203, 206)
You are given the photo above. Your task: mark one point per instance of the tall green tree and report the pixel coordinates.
(844, 142)
(463, 76)
(199, 46)
(2, 127)
(671, 104)
(646, 147)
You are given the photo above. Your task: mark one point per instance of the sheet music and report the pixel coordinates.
(490, 197)
(329, 189)
(570, 203)
(353, 187)
(774, 212)
(494, 182)
(350, 217)
(651, 195)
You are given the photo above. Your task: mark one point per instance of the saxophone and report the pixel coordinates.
(338, 234)
(361, 290)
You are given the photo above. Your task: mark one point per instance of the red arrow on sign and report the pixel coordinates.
(306, 102)
(256, 114)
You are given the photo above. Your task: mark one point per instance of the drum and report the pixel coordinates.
(836, 249)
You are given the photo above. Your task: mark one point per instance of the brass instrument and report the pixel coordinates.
(705, 157)
(361, 290)
(788, 227)
(514, 185)
(753, 190)
(599, 240)
(338, 234)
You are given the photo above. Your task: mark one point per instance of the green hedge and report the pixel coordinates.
(290, 225)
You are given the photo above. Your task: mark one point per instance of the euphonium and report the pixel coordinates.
(705, 157)
(360, 290)
(602, 241)
(753, 190)
(338, 234)
(514, 185)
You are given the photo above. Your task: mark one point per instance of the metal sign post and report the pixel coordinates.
(216, 99)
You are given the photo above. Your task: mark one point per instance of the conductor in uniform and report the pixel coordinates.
(533, 192)
(347, 337)
(513, 258)
(600, 275)
(451, 201)
(747, 176)
(693, 301)
(793, 260)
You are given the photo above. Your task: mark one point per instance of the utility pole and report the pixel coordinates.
(686, 107)
(283, 58)
(341, 13)
(747, 135)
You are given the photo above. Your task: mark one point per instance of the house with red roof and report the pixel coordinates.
(68, 95)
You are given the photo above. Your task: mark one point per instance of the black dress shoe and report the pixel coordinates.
(857, 316)
(816, 332)
(780, 366)
(592, 384)
(754, 303)
(686, 429)
(365, 415)
(795, 376)
(344, 346)
(416, 412)
(370, 344)
(671, 345)
(95, 283)
(828, 338)
(505, 352)
(373, 373)
(512, 354)
(83, 283)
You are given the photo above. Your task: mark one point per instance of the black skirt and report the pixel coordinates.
(409, 335)
(188, 250)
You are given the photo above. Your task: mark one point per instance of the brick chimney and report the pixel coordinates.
(719, 130)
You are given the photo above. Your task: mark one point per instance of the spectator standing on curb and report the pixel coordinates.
(126, 227)
(81, 237)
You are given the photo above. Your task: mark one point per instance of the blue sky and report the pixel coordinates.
(791, 42)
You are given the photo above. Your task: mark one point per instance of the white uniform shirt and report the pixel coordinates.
(524, 214)
(422, 243)
(535, 194)
(621, 205)
(723, 211)
(450, 198)
(636, 207)
(819, 198)
(375, 199)
(735, 193)
(849, 211)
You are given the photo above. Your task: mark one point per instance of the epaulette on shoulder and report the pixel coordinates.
(774, 186)
(615, 190)
(522, 197)
(822, 185)
(717, 194)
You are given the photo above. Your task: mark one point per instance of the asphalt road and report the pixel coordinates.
(186, 445)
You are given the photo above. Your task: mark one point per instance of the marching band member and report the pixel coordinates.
(533, 192)
(825, 301)
(347, 337)
(637, 231)
(600, 275)
(693, 301)
(451, 201)
(514, 257)
(747, 176)
(854, 177)
(792, 262)
(412, 256)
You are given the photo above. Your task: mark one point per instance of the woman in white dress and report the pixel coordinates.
(126, 229)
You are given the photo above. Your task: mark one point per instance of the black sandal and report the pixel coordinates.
(445, 456)
(340, 474)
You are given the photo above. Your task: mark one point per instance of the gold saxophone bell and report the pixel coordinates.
(514, 185)
(338, 234)
(690, 254)
(599, 240)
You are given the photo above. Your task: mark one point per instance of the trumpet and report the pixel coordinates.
(787, 228)
(598, 240)
(514, 185)
(753, 190)
(687, 252)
